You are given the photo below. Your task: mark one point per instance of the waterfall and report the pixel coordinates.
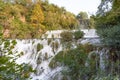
(103, 58)
(39, 58)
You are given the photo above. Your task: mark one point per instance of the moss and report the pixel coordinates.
(52, 36)
(64, 78)
(78, 34)
(46, 35)
(39, 47)
(21, 53)
(39, 60)
(46, 56)
(87, 47)
(53, 64)
(66, 36)
(33, 42)
(74, 59)
(49, 41)
(56, 45)
(57, 60)
(53, 47)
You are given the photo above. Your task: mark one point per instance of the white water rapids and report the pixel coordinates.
(40, 59)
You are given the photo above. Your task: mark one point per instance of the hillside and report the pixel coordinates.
(26, 19)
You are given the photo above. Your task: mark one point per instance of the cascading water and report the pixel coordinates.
(103, 57)
(40, 59)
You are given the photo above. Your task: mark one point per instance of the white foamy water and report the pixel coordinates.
(40, 60)
(88, 33)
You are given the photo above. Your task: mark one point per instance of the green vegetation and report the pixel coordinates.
(84, 21)
(84, 63)
(46, 56)
(111, 36)
(75, 60)
(55, 46)
(82, 15)
(26, 19)
(108, 23)
(9, 70)
(66, 36)
(49, 41)
(78, 34)
(108, 27)
(39, 60)
(39, 47)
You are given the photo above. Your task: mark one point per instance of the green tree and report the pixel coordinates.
(66, 36)
(107, 22)
(9, 69)
(78, 35)
(75, 60)
(83, 20)
(92, 22)
(108, 28)
(82, 15)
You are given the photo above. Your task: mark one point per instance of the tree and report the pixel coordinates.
(109, 17)
(66, 36)
(104, 6)
(78, 34)
(83, 19)
(82, 15)
(17, 15)
(92, 22)
(108, 28)
(37, 16)
(9, 69)
(108, 23)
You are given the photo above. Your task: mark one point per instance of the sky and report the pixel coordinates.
(76, 6)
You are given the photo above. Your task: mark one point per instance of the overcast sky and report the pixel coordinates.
(75, 6)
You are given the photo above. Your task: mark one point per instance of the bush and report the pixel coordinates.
(9, 69)
(74, 59)
(110, 36)
(39, 47)
(88, 47)
(66, 36)
(46, 56)
(56, 44)
(49, 41)
(78, 34)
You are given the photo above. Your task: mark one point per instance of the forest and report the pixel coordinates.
(26, 19)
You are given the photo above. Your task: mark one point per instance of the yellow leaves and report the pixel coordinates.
(37, 14)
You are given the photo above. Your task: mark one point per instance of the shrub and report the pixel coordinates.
(53, 64)
(88, 47)
(46, 56)
(66, 36)
(49, 41)
(74, 59)
(39, 59)
(39, 47)
(56, 44)
(9, 69)
(53, 47)
(52, 36)
(110, 36)
(78, 34)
